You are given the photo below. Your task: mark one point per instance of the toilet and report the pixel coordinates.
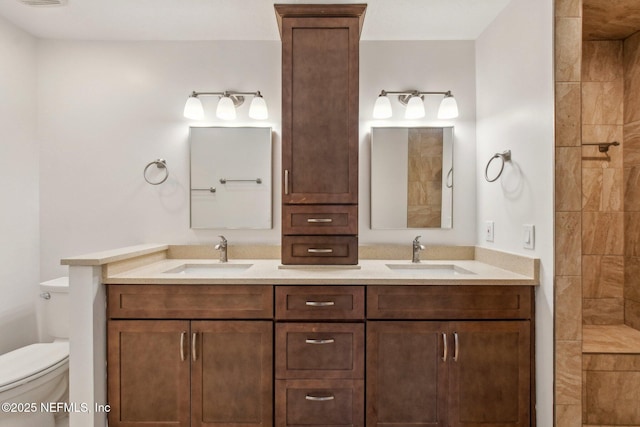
(35, 377)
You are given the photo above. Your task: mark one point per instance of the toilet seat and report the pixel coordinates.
(31, 362)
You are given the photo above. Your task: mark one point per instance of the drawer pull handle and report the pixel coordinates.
(445, 349)
(319, 341)
(286, 181)
(320, 303)
(456, 353)
(182, 337)
(319, 398)
(319, 251)
(194, 347)
(317, 220)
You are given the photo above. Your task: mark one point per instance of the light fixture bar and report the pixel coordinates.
(413, 92)
(229, 101)
(413, 100)
(226, 93)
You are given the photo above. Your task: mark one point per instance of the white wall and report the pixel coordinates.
(106, 109)
(19, 261)
(515, 112)
(109, 108)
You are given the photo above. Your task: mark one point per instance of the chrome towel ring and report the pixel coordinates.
(449, 182)
(505, 156)
(160, 164)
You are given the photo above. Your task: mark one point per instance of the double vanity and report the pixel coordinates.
(191, 341)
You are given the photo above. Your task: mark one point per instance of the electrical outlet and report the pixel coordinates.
(528, 236)
(488, 231)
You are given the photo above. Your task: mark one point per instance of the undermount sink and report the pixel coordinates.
(195, 269)
(439, 269)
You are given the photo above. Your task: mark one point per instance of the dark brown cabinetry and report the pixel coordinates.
(490, 373)
(320, 48)
(320, 303)
(471, 373)
(406, 379)
(189, 372)
(319, 361)
(148, 380)
(423, 356)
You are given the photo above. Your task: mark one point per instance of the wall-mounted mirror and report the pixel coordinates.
(230, 177)
(411, 177)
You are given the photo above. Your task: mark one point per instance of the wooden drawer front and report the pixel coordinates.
(190, 302)
(449, 302)
(320, 302)
(324, 220)
(320, 350)
(320, 403)
(320, 250)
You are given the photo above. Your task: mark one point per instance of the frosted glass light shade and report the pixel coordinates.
(193, 109)
(382, 108)
(415, 108)
(226, 110)
(448, 108)
(258, 108)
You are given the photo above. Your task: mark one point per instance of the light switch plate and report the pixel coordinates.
(528, 236)
(488, 231)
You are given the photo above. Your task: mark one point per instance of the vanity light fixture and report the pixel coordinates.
(227, 105)
(413, 100)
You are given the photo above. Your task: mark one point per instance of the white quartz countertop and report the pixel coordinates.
(367, 272)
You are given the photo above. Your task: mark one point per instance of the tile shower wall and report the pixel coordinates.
(631, 164)
(602, 183)
(597, 234)
(568, 215)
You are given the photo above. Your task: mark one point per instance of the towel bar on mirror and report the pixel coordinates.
(225, 180)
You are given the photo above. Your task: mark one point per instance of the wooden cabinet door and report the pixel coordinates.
(232, 373)
(490, 374)
(406, 374)
(148, 366)
(320, 110)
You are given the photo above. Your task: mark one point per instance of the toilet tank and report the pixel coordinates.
(54, 308)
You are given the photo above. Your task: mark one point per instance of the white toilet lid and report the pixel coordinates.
(31, 361)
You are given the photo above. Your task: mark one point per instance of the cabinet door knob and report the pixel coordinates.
(319, 398)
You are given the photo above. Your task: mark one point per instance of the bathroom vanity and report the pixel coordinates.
(193, 342)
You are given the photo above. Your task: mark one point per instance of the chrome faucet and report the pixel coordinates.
(222, 247)
(417, 247)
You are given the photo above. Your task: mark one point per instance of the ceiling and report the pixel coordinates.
(242, 19)
(610, 19)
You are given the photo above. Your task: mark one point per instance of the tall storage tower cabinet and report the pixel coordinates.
(320, 60)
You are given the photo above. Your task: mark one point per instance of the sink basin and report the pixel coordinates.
(194, 269)
(435, 269)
